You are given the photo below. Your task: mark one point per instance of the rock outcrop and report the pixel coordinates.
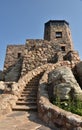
(7, 101)
(79, 73)
(64, 84)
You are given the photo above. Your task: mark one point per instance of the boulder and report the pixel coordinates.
(63, 84)
(2, 87)
(7, 102)
(15, 89)
(79, 73)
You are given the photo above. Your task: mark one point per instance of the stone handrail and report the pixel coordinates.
(31, 74)
(54, 116)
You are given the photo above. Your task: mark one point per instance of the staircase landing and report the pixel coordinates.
(18, 120)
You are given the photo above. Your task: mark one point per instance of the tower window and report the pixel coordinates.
(19, 55)
(62, 48)
(58, 34)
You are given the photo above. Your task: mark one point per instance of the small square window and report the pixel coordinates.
(58, 34)
(62, 48)
(19, 55)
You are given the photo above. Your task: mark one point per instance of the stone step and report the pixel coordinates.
(34, 80)
(26, 103)
(27, 98)
(24, 108)
(28, 94)
(36, 77)
(30, 90)
(31, 85)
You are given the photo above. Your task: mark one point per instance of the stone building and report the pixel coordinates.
(40, 70)
(56, 46)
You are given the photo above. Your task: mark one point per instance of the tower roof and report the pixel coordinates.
(50, 22)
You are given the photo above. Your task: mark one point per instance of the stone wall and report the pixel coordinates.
(13, 73)
(13, 53)
(36, 53)
(39, 52)
(7, 102)
(54, 116)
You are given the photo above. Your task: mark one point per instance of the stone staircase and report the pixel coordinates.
(28, 98)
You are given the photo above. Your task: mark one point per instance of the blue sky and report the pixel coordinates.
(24, 19)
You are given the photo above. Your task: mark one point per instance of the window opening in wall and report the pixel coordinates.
(58, 34)
(19, 55)
(62, 48)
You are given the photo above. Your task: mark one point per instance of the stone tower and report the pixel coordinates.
(56, 46)
(58, 32)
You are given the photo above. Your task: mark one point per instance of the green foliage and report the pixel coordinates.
(74, 106)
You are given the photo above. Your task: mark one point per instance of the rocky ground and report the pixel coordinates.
(22, 121)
